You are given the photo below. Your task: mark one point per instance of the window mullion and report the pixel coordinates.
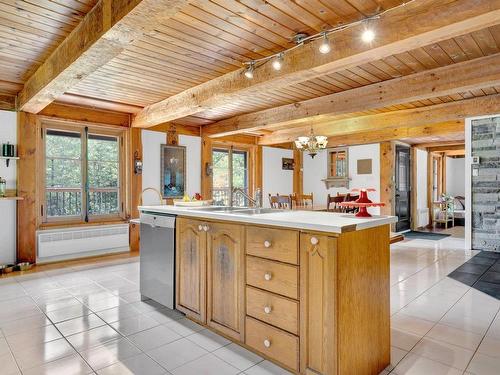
(85, 179)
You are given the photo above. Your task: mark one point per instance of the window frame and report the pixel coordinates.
(230, 149)
(120, 134)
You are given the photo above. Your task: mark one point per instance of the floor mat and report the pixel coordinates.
(413, 235)
(482, 272)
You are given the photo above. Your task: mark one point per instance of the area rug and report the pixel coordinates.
(413, 235)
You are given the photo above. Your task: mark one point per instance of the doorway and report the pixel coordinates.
(230, 171)
(402, 188)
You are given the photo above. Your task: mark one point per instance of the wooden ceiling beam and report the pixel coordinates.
(440, 143)
(85, 101)
(391, 120)
(415, 25)
(401, 133)
(469, 75)
(446, 148)
(7, 102)
(104, 33)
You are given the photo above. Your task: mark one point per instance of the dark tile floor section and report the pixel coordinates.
(482, 272)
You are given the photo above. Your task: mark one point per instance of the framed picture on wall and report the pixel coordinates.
(287, 164)
(173, 171)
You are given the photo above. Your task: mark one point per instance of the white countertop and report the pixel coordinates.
(311, 220)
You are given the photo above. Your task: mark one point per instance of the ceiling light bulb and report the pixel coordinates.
(249, 71)
(368, 36)
(325, 45)
(278, 62)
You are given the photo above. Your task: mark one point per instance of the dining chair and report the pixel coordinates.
(305, 201)
(333, 203)
(280, 201)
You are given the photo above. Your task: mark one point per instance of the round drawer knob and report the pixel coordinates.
(267, 244)
(268, 309)
(200, 227)
(314, 240)
(267, 343)
(268, 276)
(206, 228)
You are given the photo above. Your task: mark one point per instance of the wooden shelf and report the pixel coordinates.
(11, 198)
(8, 159)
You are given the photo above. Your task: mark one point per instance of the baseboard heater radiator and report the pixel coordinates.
(77, 242)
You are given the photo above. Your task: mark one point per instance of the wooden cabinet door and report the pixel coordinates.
(191, 268)
(225, 279)
(318, 302)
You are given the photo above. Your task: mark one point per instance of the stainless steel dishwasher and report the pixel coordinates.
(157, 258)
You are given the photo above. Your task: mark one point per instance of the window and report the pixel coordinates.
(230, 171)
(83, 173)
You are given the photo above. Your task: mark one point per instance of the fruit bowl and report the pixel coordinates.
(195, 203)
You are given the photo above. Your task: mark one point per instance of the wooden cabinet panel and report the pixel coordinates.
(225, 279)
(275, 244)
(273, 276)
(318, 341)
(272, 309)
(191, 268)
(273, 342)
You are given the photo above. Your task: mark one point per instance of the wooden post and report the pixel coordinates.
(206, 164)
(413, 187)
(387, 177)
(28, 208)
(298, 172)
(136, 185)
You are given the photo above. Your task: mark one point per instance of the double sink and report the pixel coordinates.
(238, 210)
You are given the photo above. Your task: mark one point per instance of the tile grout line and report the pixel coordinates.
(482, 339)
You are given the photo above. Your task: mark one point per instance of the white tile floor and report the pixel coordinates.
(89, 319)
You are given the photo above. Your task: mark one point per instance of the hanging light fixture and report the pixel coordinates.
(249, 70)
(324, 47)
(311, 144)
(278, 62)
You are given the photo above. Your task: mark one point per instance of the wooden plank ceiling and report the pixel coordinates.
(209, 38)
(29, 31)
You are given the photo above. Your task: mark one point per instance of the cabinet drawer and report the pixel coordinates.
(276, 244)
(276, 277)
(273, 342)
(270, 308)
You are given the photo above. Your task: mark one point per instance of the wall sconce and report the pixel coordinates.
(208, 169)
(137, 163)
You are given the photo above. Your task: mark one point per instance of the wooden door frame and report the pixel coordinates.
(254, 164)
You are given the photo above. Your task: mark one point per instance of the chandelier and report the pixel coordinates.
(311, 144)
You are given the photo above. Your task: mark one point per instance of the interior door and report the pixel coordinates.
(402, 187)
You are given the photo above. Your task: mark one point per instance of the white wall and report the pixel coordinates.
(315, 170)
(8, 133)
(455, 176)
(151, 158)
(275, 180)
(421, 186)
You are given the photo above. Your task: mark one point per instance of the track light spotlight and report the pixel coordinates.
(368, 35)
(325, 45)
(249, 70)
(278, 62)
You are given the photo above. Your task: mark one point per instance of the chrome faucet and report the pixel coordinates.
(256, 201)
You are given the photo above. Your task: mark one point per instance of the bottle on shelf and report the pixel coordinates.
(3, 187)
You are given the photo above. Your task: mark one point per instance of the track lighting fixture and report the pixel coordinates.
(324, 47)
(249, 70)
(278, 62)
(367, 36)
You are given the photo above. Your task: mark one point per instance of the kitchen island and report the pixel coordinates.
(307, 290)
